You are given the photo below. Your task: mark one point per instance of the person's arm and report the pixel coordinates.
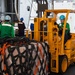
(0, 29)
(12, 32)
(24, 26)
(68, 27)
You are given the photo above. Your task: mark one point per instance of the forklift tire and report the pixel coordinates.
(63, 63)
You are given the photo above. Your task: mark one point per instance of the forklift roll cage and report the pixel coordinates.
(64, 28)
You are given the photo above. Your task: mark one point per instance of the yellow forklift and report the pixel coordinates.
(46, 29)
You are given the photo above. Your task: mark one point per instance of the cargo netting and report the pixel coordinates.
(21, 56)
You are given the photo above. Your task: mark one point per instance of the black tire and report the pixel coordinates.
(63, 63)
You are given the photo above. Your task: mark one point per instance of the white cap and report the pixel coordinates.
(7, 17)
